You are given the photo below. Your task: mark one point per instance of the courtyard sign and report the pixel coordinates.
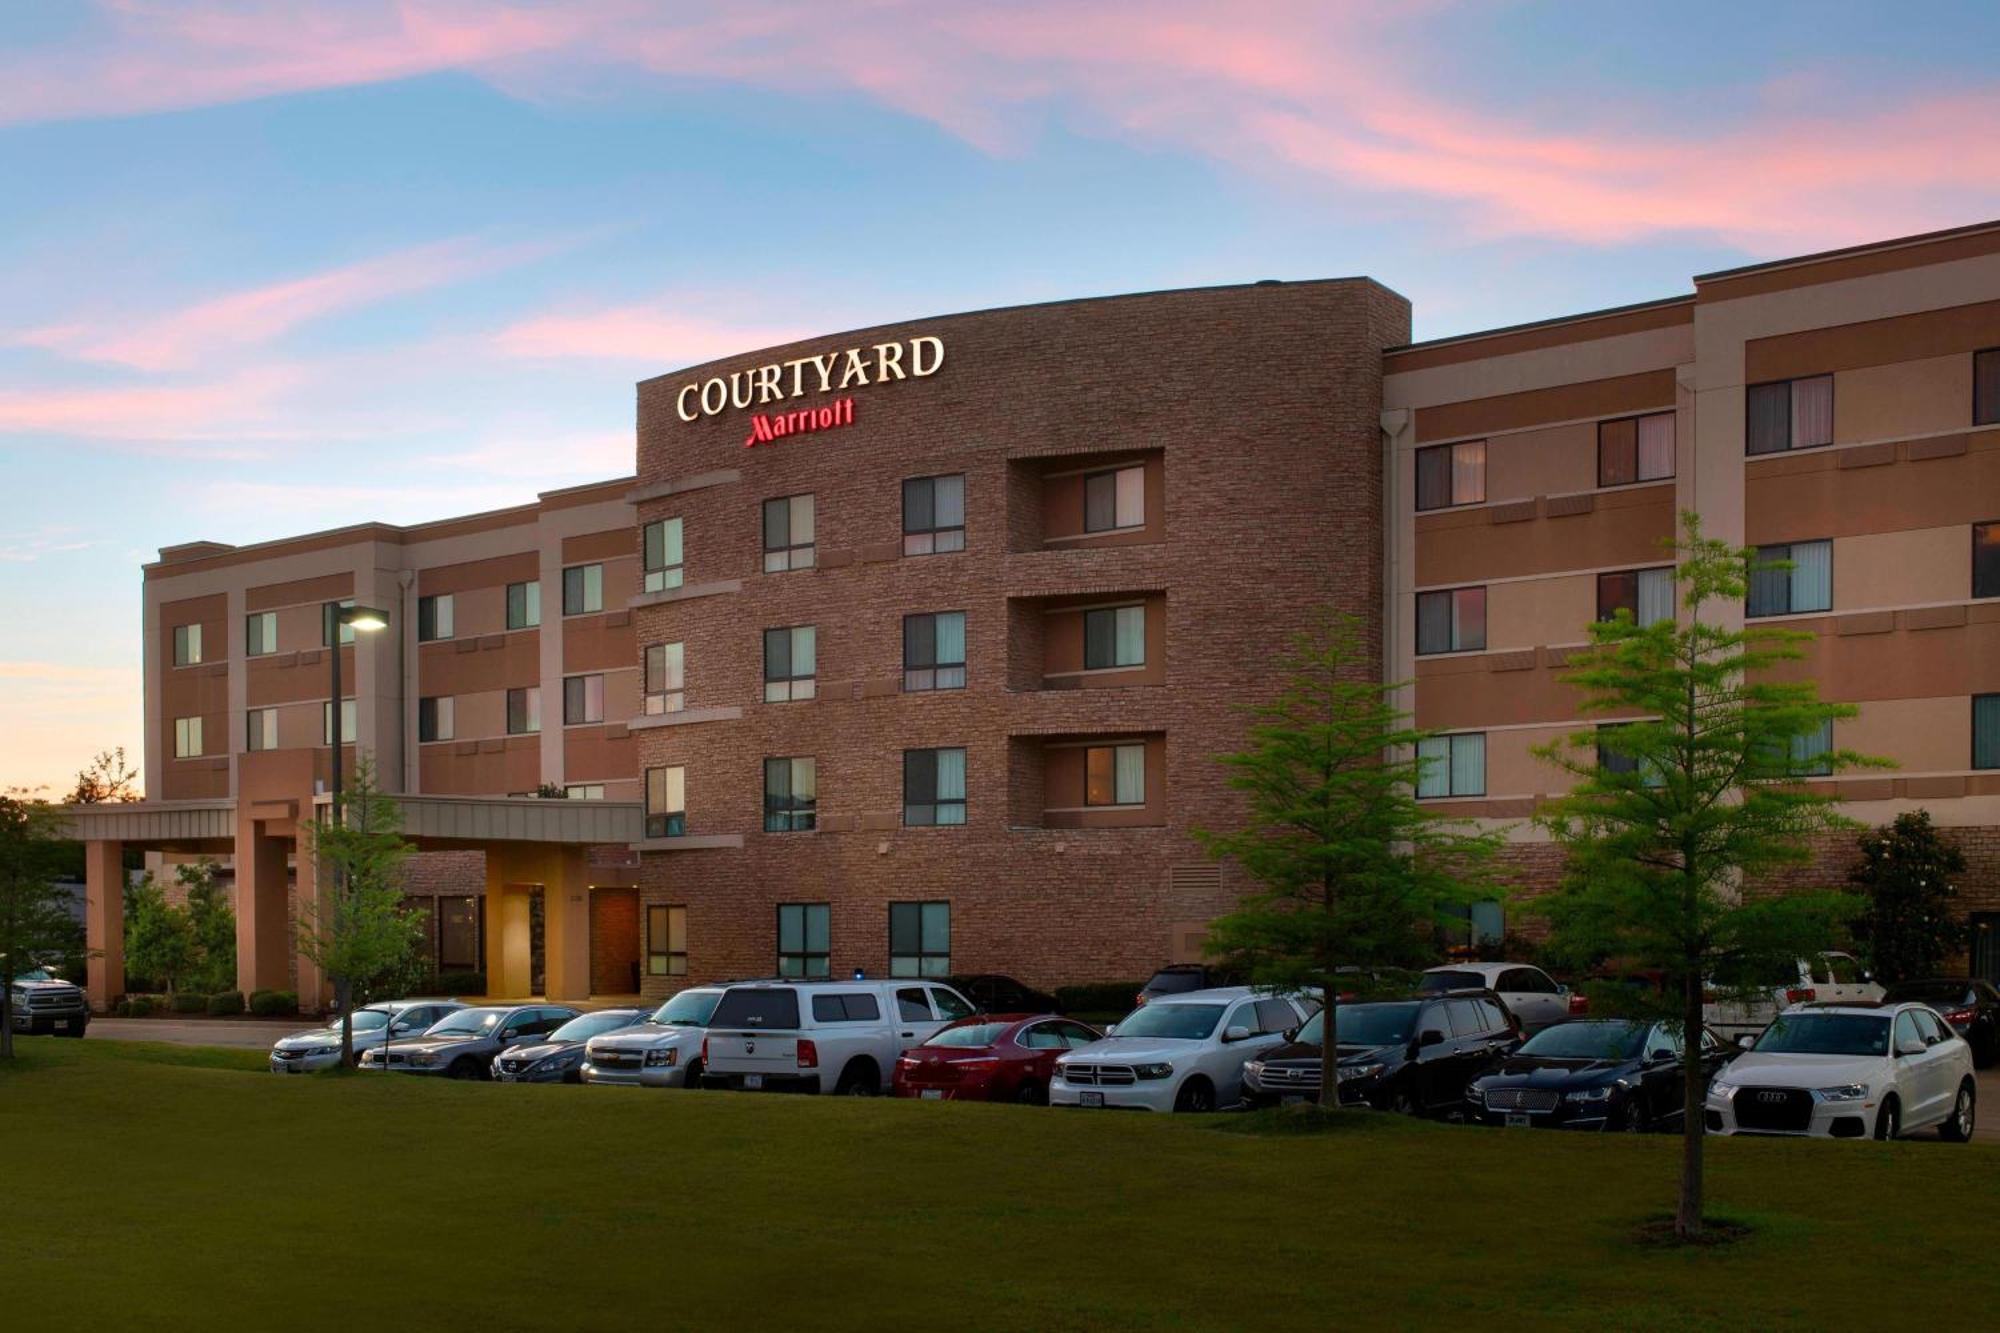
(830, 372)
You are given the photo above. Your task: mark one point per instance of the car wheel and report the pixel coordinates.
(859, 1079)
(1889, 1121)
(693, 1079)
(1031, 1093)
(1401, 1103)
(1958, 1129)
(1633, 1118)
(1195, 1097)
(465, 1067)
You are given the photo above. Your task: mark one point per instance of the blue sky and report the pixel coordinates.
(268, 267)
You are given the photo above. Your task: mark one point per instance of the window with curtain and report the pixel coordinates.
(1812, 753)
(524, 605)
(1788, 414)
(584, 791)
(665, 688)
(1473, 924)
(662, 555)
(920, 939)
(261, 731)
(1986, 559)
(187, 737)
(789, 664)
(583, 699)
(1986, 387)
(260, 633)
(1114, 500)
(791, 795)
(934, 515)
(934, 651)
(583, 590)
(1451, 621)
(187, 645)
(1451, 474)
(1114, 774)
(666, 941)
(788, 533)
(1805, 584)
(434, 617)
(805, 935)
(329, 622)
(933, 787)
(1986, 731)
(666, 802)
(348, 724)
(524, 711)
(436, 717)
(1452, 765)
(1634, 449)
(1114, 637)
(1647, 595)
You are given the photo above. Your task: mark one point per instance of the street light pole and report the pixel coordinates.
(370, 619)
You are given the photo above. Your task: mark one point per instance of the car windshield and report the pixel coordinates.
(466, 1023)
(1588, 1041)
(1364, 1025)
(690, 1007)
(1435, 983)
(971, 1034)
(1177, 1022)
(367, 1020)
(1934, 992)
(1826, 1034)
(585, 1026)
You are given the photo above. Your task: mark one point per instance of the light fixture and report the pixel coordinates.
(366, 618)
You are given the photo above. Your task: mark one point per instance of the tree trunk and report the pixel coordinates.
(341, 993)
(7, 1016)
(1329, 1047)
(1687, 1218)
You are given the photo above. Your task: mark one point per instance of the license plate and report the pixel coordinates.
(60, 1025)
(932, 1094)
(753, 1081)
(1292, 1099)
(502, 1078)
(1518, 1122)
(1090, 1099)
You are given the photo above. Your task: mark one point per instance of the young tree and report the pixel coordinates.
(160, 943)
(1908, 873)
(108, 779)
(1696, 789)
(359, 929)
(212, 923)
(1350, 868)
(34, 911)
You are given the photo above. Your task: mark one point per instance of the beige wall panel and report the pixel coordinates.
(1511, 768)
(479, 714)
(1535, 612)
(1553, 461)
(1903, 399)
(1957, 660)
(1624, 528)
(479, 611)
(1921, 735)
(1811, 495)
(1919, 566)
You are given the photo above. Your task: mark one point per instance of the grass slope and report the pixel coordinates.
(174, 1187)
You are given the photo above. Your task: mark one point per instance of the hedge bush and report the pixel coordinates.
(1098, 997)
(186, 1002)
(273, 1003)
(135, 1006)
(462, 983)
(228, 1004)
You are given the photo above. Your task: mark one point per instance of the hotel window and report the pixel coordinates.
(791, 795)
(1635, 449)
(524, 711)
(436, 718)
(1452, 765)
(1806, 586)
(663, 555)
(434, 618)
(583, 699)
(524, 605)
(1469, 925)
(1114, 774)
(1647, 595)
(348, 724)
(666, 941)
(187, 645)
(1612, 761)
(187, 737)
(260, 633)
(934, 651)
(1986, 559)
(805, 932)
(1986, 387)
(1116, 500)
(260, 731)
(1451, 474)
(788, 664)
(666, 802)
(1812, 753)
(788, 533)
(584, 791)
(1788, 414)
(933, 787)
(933, 515)
(1114, 637)
(665, 679)
(329, 618)
(583, 590)
(920, 939)
(1986, 731)
(1451, 621)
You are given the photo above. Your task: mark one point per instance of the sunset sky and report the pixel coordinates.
(272, 267)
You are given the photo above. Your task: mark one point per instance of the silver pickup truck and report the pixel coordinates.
(38, 1002)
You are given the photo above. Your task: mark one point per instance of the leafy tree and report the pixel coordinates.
(1350, 868)
(109, 778)
(1908, 873)
(160, 943)
(212, 921)
(34, 911)
(1699, 788)
(360, 930)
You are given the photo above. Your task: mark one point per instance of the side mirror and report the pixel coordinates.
(1291, 1034)
(1237, 1033)
(1911, 1048)
(1430, 1037)
(1111, 1030)
(1661, 1054)
(1744, 1040)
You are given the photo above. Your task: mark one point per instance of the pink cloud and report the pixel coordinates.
(180, 419)
(643, 334)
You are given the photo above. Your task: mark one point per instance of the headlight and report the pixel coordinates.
(1589, 1094)
(1253, 1069)
(324, 1050)
(1159, 1070)
(1349, 1072)
(666, 1059)
(424, 1060)
(1722, 1089)
(1846, 1092)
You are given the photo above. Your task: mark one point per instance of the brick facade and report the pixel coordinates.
(614, 941)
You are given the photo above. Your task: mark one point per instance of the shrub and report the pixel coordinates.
(273, 1003)
(138, 1006)
(122, 1009)
(187, 1002)
(462, 983)
(226, 1004)
(1098, 997)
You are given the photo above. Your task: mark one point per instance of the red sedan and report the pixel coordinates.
(991, 1058)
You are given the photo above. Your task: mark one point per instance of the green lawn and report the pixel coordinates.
(169, 1187)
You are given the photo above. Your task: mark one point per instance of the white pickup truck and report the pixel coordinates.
(1829, 978)
(821, 1036)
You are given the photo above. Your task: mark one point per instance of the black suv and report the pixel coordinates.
(1180, 978)
(1414, 1056)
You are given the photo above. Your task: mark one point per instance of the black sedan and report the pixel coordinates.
(558, 1057)
(1602, 1073)
(995, 994)
(1972, 1007)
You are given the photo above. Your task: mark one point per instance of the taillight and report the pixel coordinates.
(1958, 1018)
(808, 1054)
(1140, 998)
(1800, 994)
(1579, 1003)
(704, 1050)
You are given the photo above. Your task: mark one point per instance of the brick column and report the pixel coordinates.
(104, 921)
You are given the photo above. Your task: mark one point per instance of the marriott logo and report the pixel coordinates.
(766, 428)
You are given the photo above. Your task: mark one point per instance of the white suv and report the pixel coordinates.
(662, 1052)
(821, 1036)
(1848, 1071)
(1535, 999)
(1831, 978)
(1179, 1052)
